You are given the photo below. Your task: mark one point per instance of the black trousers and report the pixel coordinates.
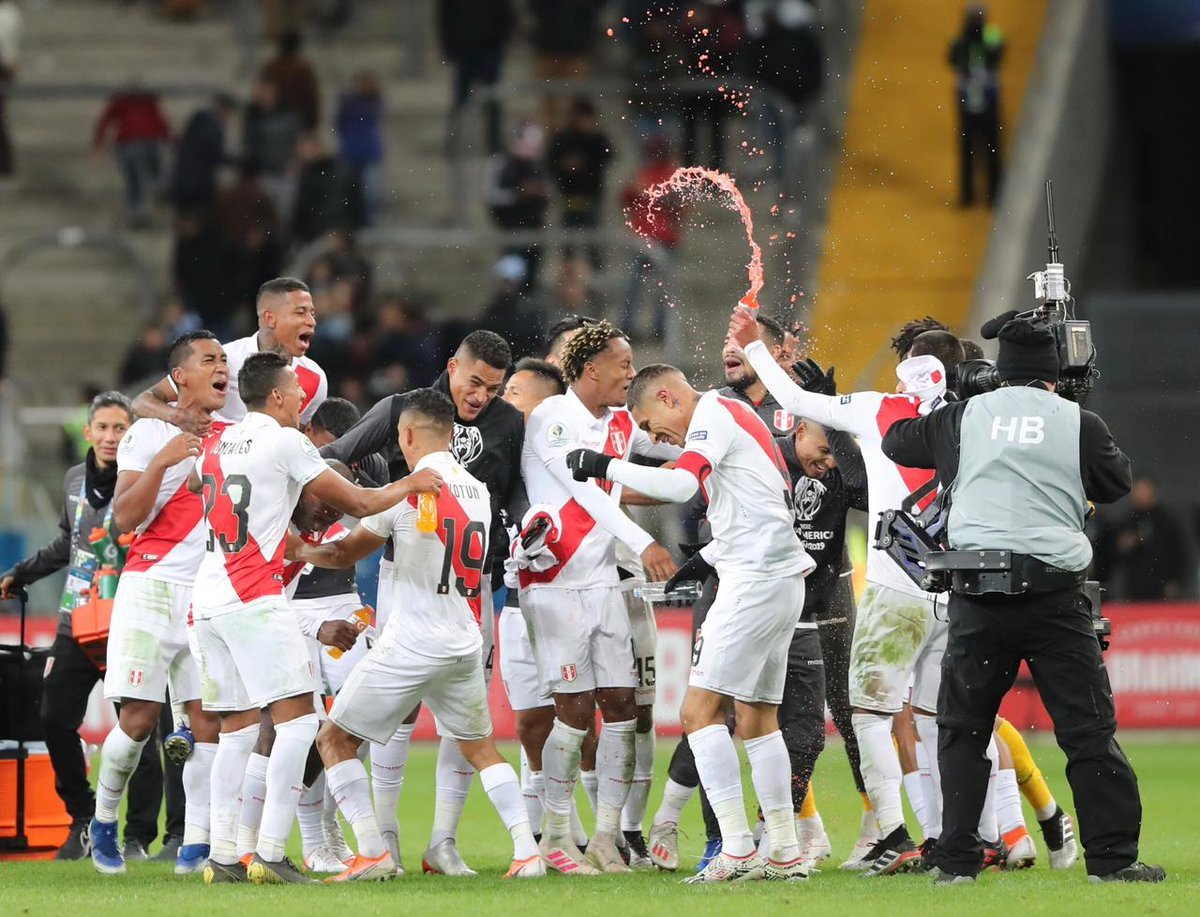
(835, 624)
(1052, 632)
(978, 135)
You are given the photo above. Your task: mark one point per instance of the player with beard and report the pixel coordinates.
(487, 440)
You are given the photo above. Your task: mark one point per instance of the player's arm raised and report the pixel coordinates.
(136, 490)
(156, 402)
(330, 487)
(345, 552)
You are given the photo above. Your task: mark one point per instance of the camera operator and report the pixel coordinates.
(1021, 464)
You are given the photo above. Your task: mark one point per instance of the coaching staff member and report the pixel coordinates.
(1021, 465)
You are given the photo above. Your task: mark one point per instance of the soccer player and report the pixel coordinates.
(431, 651)
(898, 633)
(147, 642)
(488, 434)
(741, 651)
(575, 611)
(286, 323)
(252, 654)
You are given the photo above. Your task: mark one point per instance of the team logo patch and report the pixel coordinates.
(309, 449)
(618, 440)
(845, 399)
(128, 440)
(697, 436)
(569, 673)
(136, 677)
(784, 421)
(557, 435)
(467, 444)
(809, 494)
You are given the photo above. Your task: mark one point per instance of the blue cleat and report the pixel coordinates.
(191, 858)
(712, 849)
(106, 852)
(179, 744)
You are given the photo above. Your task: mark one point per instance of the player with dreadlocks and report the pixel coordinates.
(570, 588)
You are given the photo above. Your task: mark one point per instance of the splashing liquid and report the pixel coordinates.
(695, 183)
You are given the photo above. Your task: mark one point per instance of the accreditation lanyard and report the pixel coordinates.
(82, 566)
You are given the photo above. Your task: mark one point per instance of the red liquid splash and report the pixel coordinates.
(694, 183)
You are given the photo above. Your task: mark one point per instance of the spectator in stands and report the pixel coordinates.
(404, 336)
(296, 81)
(269, 134)
(519, 194)
(659, 225)
(473, 35)
(574, 294)
(200, 267)
(333, 339)
(146, 357)
(342, 260)
(975, 56)
(1141, 551)
(511, 314)
(579, 158)
(716, 31)
(138, 129)
(177, 320)
(10, 39)
(248, 221)
(325, 193)
(360, 140)
(656, 63)
(200, 153)
(564, 41)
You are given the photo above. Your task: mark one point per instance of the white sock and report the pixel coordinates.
(351, 789)
(771, 771)
(927, 731)
(228, 772)
(254, 797)
(118, 761)
(633, 816)
(197, 790)
(310, 813)
(387, 778)
(988, 828)
(504, 790)
(179, 716)
(721, 777)
(1046, 811)
(675, 797)
(591, 784)
(868, 826)
(531, 793)
(454, 775)
(614, 774)
(915, 791)
(1009, 816)
(880, 769)
(810, 830)
(578, 833)
(560, 768)
(285, 773)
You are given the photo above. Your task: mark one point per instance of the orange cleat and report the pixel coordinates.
(532, 868)
(367, 869)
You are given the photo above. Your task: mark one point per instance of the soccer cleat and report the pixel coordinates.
(106, 855)
(445, 860)
(712, 850)
(995, 855)
(279, 872)
(639, 855)
(323, 861)
(135, 852)
(178, 745)
(949, 878)
(367, 869)
(603, 853)
(792, 871)
(1134, 872)
(78, 845)
(532, 868)
(335, 840)
(894, 854)
(664, 846)
(1022, 852)
(817, 851)
(222, 874)
(562, 855)
(861, 856)
(726, 868)
(191, 858)
(391, 840)
(927, 848)
(1059, 833)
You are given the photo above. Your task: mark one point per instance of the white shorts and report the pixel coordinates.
(644, 631)
(897, 637)
(251, 657)
(391, 680)
(741, 648)
(148, 642)
(332, 673)
(581, 638)
(518, 668)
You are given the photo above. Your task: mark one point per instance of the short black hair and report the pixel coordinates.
(432, 405)
(259, 376)
(109, 400)
(487, 346)
(903, 341)
(772, 326)
(279, 287)
(971, 350)
(565, 326)
(543, 370)
(940, 344)
(336, 416)
(646, 377)
(182, 348)
(587, 345)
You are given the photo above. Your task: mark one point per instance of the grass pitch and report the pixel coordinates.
(1166, 769)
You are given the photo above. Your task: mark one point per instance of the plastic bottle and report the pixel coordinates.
(427, 513)
(363, 618)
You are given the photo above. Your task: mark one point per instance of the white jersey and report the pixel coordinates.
(742, 473)
(252, 474)
(586, 547)
(170, 541)
(311, 376)
(439, 593)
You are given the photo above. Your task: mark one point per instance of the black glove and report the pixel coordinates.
(814, 379)
(697, 570)
(588, 463)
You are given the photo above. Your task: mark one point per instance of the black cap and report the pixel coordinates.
(1027, 352)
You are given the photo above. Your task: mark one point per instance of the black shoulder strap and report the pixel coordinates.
(919, 494)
